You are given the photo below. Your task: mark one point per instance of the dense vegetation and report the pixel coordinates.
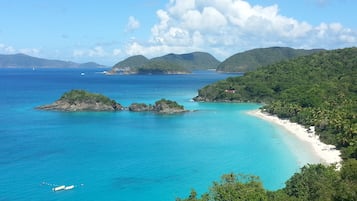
(253, 59)
(160, 67)
(132, 61)
(85, 97)
(312, 183)
(161, 106)
(168, 103)
(170, 63)
(191, 61)
(317, 90)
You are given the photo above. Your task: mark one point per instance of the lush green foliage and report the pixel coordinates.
(160, 67)
(253, 59)
(170, 63)
(191, 61)
(312, 183)
(133, 61)
(169, 103)
(86, 97)
(317, 90)
(233, 188)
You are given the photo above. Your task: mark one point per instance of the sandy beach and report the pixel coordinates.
(327, 153)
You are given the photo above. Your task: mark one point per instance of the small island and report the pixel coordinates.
(162, 106)
(81, 100)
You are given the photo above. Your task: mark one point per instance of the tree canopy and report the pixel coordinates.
(255, 58)
(312, 183)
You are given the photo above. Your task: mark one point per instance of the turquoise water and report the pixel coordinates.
(123, 155)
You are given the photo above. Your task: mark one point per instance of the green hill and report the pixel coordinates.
(191, 61)
(170, 63)
(319, 89)
(25, 61)
(160, 67)
(133, 61)
(253, 59)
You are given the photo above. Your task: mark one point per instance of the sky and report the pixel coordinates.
(109, 31)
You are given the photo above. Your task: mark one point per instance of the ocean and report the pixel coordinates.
(126, 156)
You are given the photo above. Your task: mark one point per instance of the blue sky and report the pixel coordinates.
(109, 31)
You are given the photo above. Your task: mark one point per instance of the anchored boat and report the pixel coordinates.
(63, 187)
(59, 188)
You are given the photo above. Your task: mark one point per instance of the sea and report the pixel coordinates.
(128, 156)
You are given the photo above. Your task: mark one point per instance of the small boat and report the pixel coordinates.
(59, 188)
(69, 187)
(82, 74)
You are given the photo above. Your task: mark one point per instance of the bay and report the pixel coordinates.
(124, 155)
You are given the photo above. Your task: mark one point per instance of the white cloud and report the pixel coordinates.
(133, 24)
(97, 51)
(134, 48)
(30, 51)
(117, 52)
(224, 27)
(210, 19)
(8, 49)
(78, 53)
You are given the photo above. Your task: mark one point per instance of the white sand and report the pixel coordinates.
(327, 153)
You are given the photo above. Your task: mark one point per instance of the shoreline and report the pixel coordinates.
(326, 153)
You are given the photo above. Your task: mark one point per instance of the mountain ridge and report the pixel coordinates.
(252, 59)
(25, 61)
(169, 63)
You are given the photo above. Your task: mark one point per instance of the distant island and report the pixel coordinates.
(171, 63)
(81, 100)
(167, 64)
(162, 106)
(185, 63)
(25, 61)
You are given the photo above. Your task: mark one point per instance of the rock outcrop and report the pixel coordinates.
(80, 100)
(162, 106)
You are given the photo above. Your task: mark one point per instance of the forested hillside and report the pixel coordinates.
(318, 90)
(133, 61)
(255, 58)
(191, 61)
(170, 63)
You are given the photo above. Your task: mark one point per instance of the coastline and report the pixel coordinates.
(326, 153)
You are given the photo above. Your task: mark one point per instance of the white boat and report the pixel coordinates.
(59, 188)
(69, 187)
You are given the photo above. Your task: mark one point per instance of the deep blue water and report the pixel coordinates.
(123, 155)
